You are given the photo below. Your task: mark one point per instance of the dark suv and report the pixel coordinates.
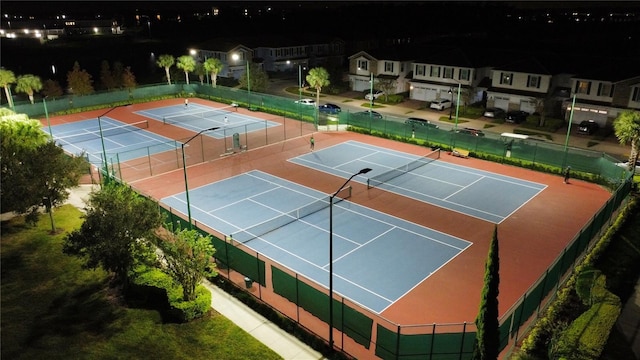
(588, 127)
(420, 122)
(516, 116)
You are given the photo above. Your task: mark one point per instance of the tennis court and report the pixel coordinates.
(377, 258)
(132, 140)
(462, 189)
(197, 117)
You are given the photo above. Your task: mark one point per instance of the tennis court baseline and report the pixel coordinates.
(196, 117)
(377, 258)
(132, 140)
(481, 194)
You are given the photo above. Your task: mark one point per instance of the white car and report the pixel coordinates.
(440, 104)
(376, 94)
(308, 102)
(626, 165)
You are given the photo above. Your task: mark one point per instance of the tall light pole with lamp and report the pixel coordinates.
(363, 171)
(184, 168)
(236, 57)
(104, 149)
(455, 127)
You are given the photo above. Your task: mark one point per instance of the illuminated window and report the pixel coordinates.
(506, 78)
(583, 87)
(363, 65)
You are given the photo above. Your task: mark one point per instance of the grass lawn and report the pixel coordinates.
(52, 308)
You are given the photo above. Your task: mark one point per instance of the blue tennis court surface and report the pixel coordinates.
(196, 117)
(481, 194)
(377, 258)
(129, 140)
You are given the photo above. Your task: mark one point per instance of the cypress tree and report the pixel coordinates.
(487, 345)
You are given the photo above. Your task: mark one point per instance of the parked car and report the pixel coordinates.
(309, 102)
(470, 131)
(588, 127)
(626, 165)
(329, 108)
(516, 116)
(494, 113)
(440, 104)
(376, 94)
(371, 113)
(420, 122)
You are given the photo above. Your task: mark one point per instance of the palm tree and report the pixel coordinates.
(166, 62)
(213, 66)
(7, 77)
(627, 129)
(187, 64)
(200, 72)
(28, 84)
(318, 78)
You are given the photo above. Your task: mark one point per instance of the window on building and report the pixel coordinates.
(363, 65)
(388, 66)
(605, 89)
(636, 94)
(533, 81)
(420, 70)
(435, 71)
(401, 67)
(464, 74)
(582, 87)
(506, 78)
(448, 73)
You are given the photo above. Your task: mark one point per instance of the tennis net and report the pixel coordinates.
(197, 115)
(279, 221)
(88, 135)
(394, 173)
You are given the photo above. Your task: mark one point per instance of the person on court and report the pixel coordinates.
(226, 120)
(312, 142)
(567, 174)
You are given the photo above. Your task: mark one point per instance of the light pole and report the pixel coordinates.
(236, 57)
(104, 149)
(371, 95)
(184, 168)
(363, 171)
(566, 141)
(455, 126)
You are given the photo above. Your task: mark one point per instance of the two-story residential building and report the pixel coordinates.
(603, 88)
(440, 74)
(234, 56)
(287, 54)
(519, 85)
(392, 65)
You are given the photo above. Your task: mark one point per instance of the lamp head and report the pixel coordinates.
(364, 171)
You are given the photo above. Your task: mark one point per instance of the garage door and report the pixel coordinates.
(501, 102)
(360, 84)
(423, 93)
(582, 113)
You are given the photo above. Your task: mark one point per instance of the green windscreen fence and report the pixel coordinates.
(442, 346)
(351, 322)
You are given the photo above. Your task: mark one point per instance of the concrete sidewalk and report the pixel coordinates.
(283, 343)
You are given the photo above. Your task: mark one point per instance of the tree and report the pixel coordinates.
(213, 66)
(54, 176)
(166, 61)
(187, 257)
(318, 78)
(128, 79)
(118, 72)
(539, 105)
(187, 64)
(200, 72)
(386, 85)
(258, 77)
(52, 89)
(487, 346)
(106, 77)
(7, 77)
(116, 231)
(79, 81)
(35, 172)
(28, 84)
(627, 129)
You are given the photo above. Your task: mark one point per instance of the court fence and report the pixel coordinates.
(365, 334)
(538, 155)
